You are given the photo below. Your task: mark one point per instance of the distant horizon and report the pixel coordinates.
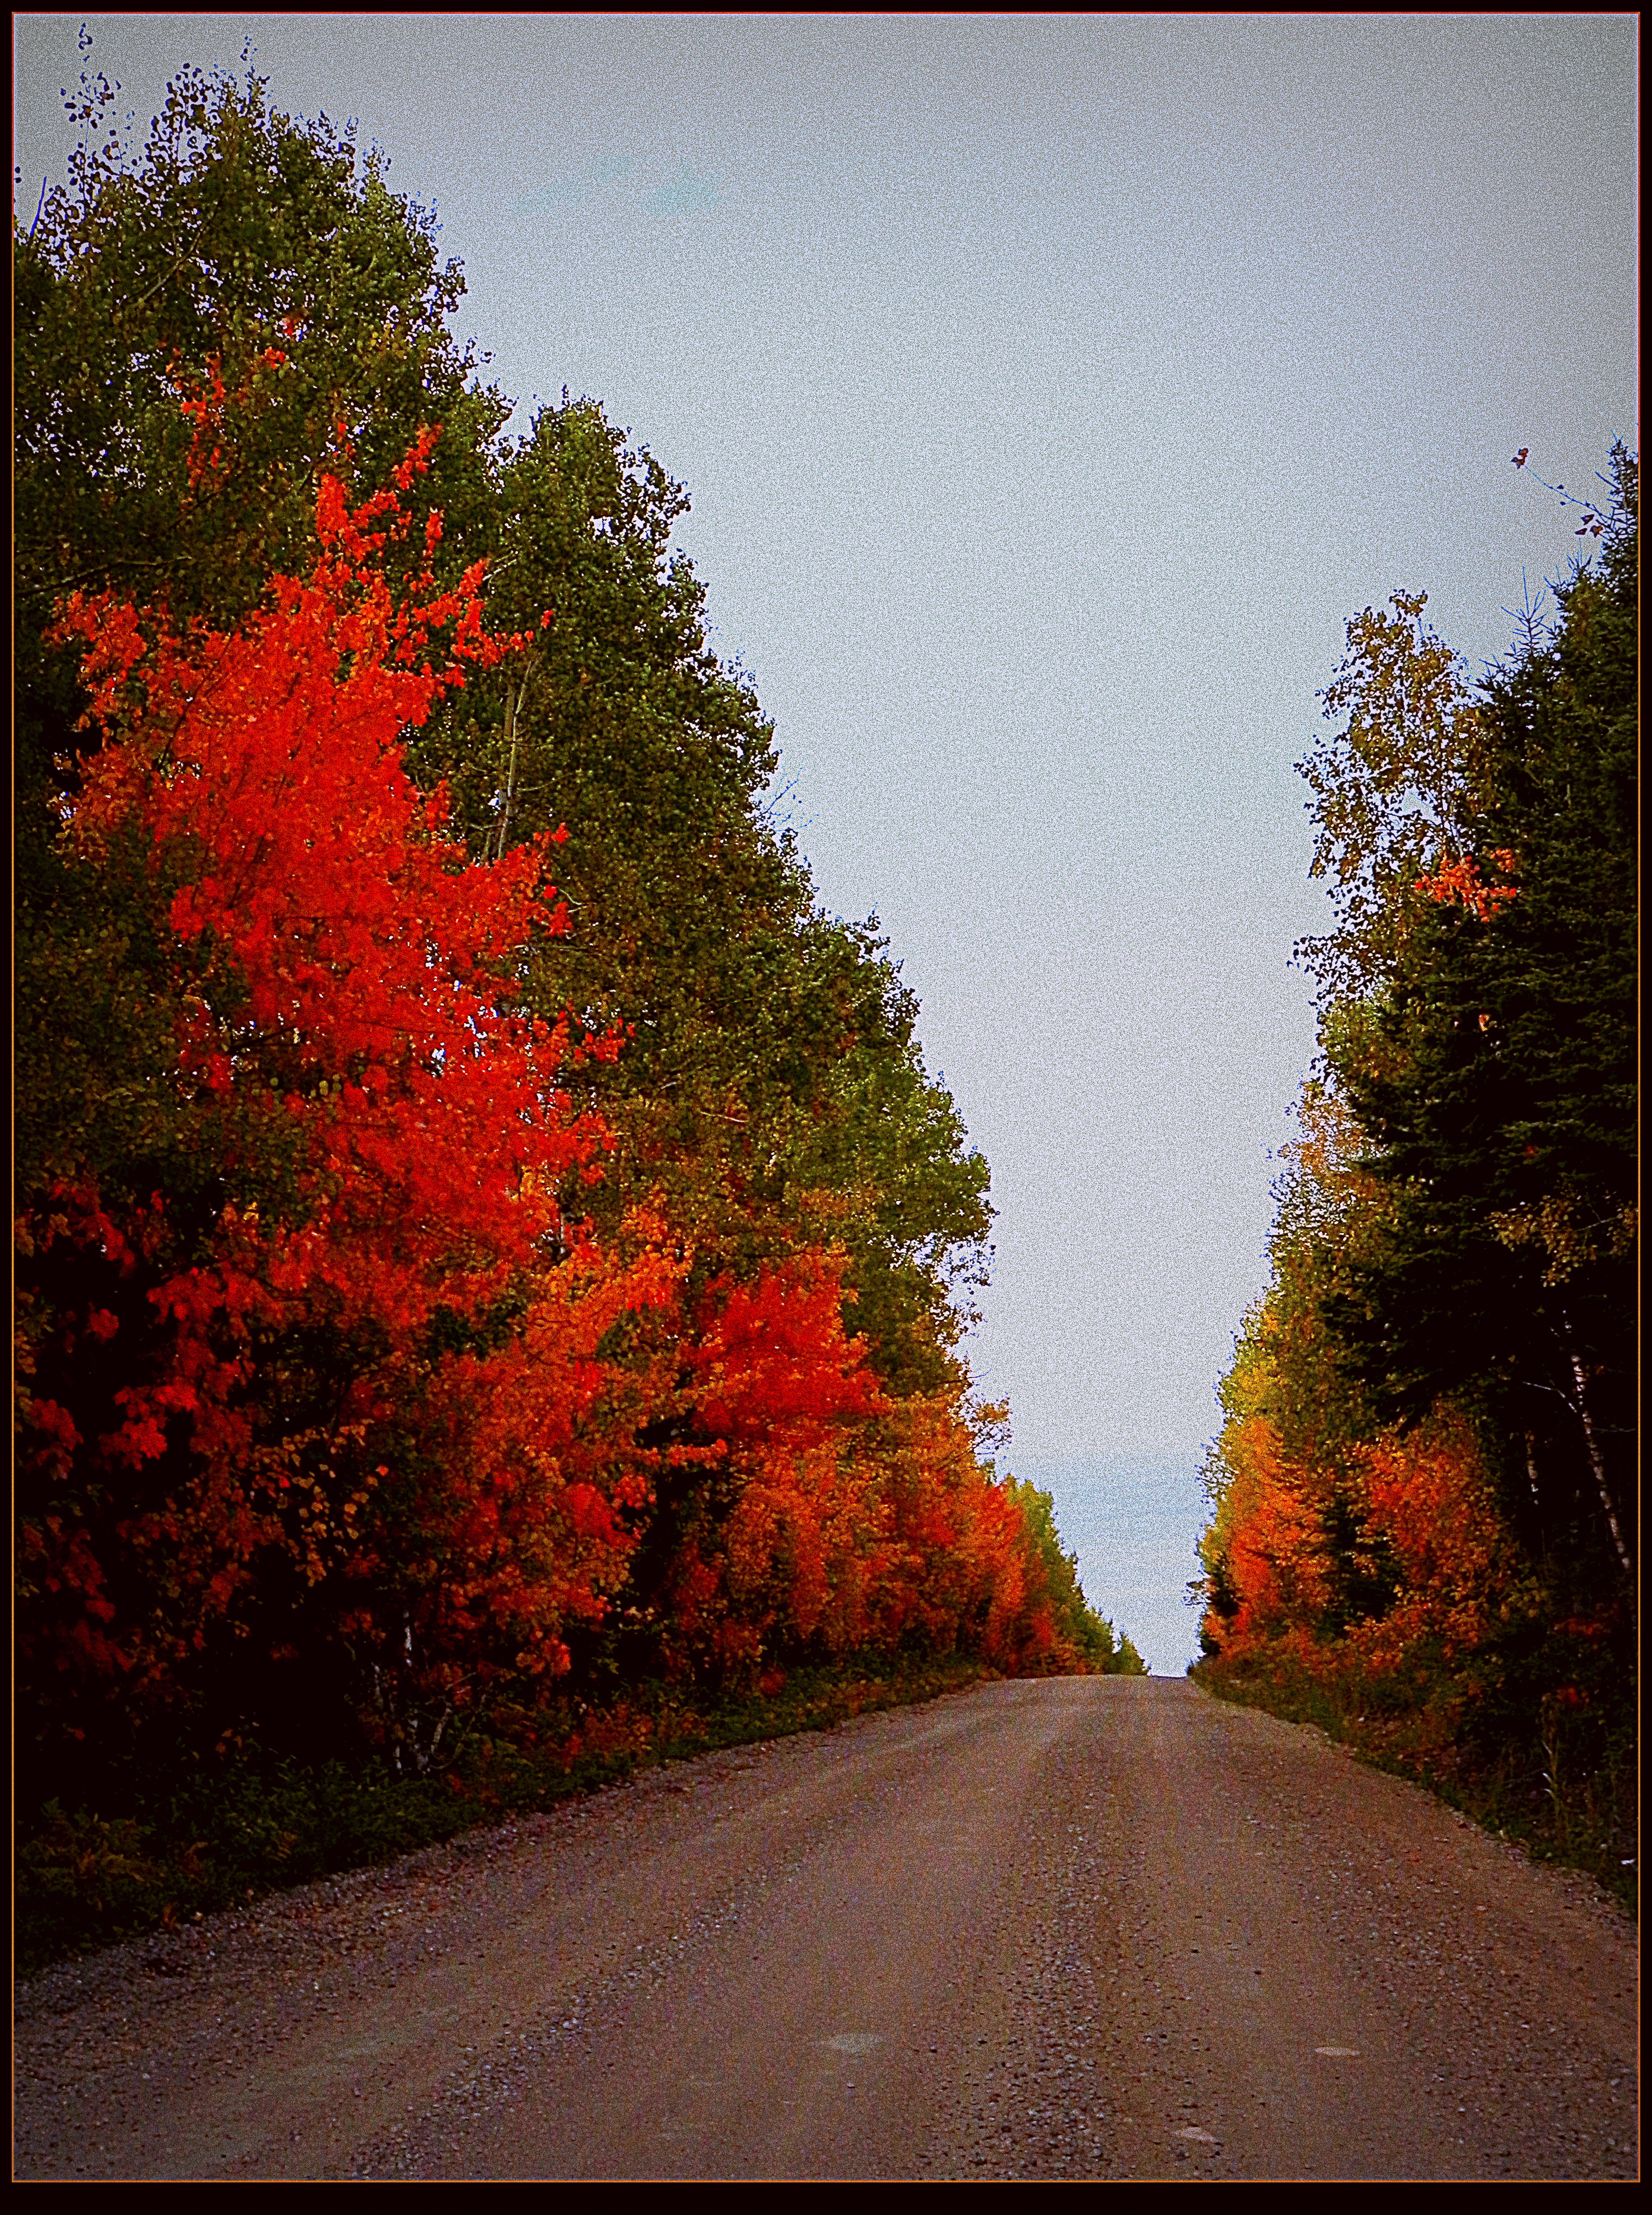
(1132, 1520)
(1147, 1456)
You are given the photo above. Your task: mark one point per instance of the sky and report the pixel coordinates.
(1050, 390)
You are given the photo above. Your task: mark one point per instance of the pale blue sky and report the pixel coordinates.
(1049, 391)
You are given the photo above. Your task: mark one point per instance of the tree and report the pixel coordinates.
(1392, 791)
(237, 1380)
(690, 922)
(1503, 1117)
(1422, 1491)
(770, 1082)
(252, 254)
(1078, 1630)
(430, 1282)
(254, 268)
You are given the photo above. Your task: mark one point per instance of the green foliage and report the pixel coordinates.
(236, 232)
(1329, 1217)
(1392, 790)
(769, 1082)
(690, 924)
(887, 1159)
(1423, 1494)
(1501, 1120)
(207, 326)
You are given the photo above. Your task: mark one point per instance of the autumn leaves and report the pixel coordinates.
(372, 1417)
(1422, 1491)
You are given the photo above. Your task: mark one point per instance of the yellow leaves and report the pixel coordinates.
(1391, 789)
(1570, 1242)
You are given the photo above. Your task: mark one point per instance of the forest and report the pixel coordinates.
(489, 1260)
(1423, 1502)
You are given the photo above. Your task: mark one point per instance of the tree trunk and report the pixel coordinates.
(1595, 1462)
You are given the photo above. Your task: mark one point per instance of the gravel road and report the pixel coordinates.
(1086, 1927)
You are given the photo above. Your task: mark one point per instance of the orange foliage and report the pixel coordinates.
(388, 1135)
(1272, 1531)
(1460, 882)
(1431, 1501)
(1422, 1503)
(385, 1397)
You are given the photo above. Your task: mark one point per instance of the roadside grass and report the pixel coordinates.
(190, 1848)
(1564, 1793)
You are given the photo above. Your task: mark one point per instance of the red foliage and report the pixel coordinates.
(389, 1135)
(372, 1392)
(1422, 1503)
(1459, 883)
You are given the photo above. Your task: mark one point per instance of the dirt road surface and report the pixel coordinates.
(1075, 1928)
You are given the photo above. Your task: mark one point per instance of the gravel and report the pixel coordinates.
(1072, 1928)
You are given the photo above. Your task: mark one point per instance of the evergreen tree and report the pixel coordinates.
(1502, 1116)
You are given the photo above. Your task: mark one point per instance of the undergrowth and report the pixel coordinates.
(191, 1847)
(1560, 1781)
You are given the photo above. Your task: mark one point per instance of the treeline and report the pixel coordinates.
(487, 1239)
(1423, 1495)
